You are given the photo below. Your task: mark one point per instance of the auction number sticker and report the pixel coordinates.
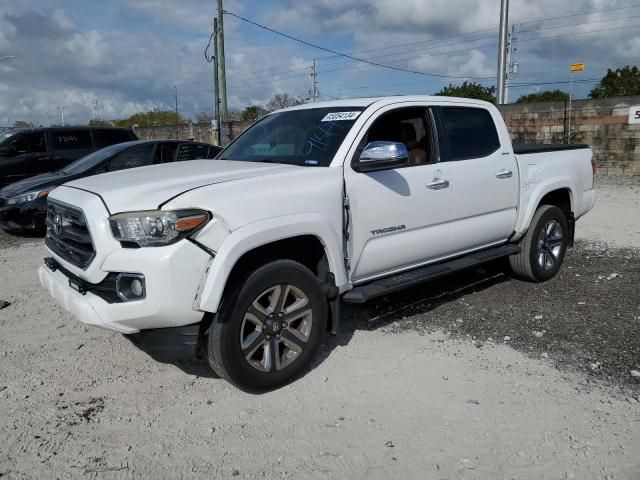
(340, 116)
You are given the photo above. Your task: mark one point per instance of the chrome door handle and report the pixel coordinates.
(504, 173)
(438, 184)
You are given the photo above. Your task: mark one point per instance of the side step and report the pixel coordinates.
(394, 283)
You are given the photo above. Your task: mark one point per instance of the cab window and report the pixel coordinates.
(139, 156)
(470, 132)
(410, 126)
(29, 143)
(192, 151)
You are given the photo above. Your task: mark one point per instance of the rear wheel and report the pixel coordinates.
(543, 247)
(269, 327)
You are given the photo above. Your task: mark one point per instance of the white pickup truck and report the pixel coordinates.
(248, 258)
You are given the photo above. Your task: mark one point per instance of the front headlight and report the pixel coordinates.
(157, 228)
(29, 196)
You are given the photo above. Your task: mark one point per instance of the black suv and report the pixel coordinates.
(30, 151)
(23, 205)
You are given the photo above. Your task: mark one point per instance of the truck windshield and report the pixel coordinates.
(307, 137)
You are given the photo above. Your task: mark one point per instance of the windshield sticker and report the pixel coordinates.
(340, 116)
(320, 139)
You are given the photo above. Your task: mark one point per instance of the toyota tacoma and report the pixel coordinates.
(248, 259)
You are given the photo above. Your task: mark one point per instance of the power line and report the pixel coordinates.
(257, 79)
(304, 42)
(529, 22)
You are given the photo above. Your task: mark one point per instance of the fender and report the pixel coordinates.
(532, 194)
(261, 233)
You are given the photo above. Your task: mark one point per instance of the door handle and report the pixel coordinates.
(504, 173)
(438, 184)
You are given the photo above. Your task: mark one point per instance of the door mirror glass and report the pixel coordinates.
(382, 156)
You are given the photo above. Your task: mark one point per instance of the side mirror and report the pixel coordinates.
(382, 156)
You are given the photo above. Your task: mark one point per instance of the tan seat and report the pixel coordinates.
(417, 155)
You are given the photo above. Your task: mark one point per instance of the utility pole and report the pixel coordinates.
(175, 95)
(314, 93)
(221, 64)
(217, 126)
(62, 114)
(502, 52)
(512, 67)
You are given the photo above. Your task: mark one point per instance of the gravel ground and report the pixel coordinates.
(475, 377)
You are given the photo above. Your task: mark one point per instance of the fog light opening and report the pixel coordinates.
(130, 286)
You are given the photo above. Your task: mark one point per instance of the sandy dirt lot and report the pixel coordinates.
(478, 377)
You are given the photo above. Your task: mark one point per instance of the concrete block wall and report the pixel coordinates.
(198, 132)
(601, 124)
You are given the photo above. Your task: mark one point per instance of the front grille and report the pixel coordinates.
(68, 235)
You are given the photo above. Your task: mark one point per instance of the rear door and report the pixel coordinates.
(484, 180)
(68, 145)
(137, 156)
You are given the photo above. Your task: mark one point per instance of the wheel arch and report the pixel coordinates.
(560, 193)
(306, 240)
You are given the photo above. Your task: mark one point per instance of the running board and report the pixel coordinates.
(394, 283)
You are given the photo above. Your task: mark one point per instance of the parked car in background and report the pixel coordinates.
(23, 205)
(26, 152)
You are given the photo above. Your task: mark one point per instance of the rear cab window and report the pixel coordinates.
(468, 133)
(71, 139)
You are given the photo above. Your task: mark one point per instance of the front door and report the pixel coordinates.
(24, 157)
(399, 216)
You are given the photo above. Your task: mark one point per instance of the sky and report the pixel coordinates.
(130, 55)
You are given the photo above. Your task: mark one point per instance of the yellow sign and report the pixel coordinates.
(577, 67)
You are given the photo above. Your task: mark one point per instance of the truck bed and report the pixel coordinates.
(525, 148)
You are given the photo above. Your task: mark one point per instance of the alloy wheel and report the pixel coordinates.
(550, 245)
(276, 328)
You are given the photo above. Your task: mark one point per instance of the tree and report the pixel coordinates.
(252, 113)
(283, 100)
(154, 117)
(619, 83)
(546, 96)
(100, 123)
(22, 124)
(470, 90)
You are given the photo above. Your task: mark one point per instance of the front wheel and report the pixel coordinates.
(269, 327)
(543, 247)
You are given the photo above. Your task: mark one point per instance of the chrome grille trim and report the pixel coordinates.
(73, 243)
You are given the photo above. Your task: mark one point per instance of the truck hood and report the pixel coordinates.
(147, 188)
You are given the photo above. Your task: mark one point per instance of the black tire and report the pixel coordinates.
(283, 278)
(541, 256)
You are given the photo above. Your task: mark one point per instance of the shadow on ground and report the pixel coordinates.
(587, 318)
